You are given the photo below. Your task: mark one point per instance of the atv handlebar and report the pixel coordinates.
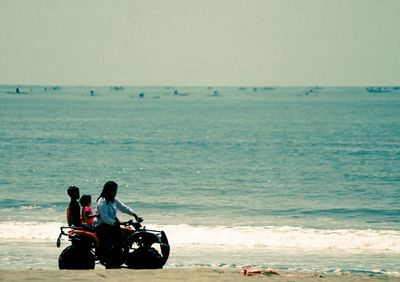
(135, 223)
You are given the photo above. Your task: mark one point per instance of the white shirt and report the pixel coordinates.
(107, 211)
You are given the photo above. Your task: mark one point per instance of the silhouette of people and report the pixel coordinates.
(74, 209)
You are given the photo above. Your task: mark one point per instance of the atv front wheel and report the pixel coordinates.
(145, 258)
(73, 257)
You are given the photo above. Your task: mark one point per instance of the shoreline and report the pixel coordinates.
(186, 274)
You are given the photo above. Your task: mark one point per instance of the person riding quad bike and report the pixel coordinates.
(137, 248)
(110, 243)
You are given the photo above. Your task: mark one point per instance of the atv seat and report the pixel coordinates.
(88, 227)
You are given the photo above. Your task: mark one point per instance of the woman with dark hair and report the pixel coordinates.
(107, 223)
(107, 205)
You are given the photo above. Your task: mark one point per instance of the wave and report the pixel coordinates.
(268, 237)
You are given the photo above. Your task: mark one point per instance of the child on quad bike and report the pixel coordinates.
(87, 213)
(74, 210)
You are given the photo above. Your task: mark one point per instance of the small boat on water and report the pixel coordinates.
(378, 89)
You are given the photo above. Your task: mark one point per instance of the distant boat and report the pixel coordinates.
(267, 88)
(17, 91)
(378, 89)
(312, 90)
(117, 88)
(180, 94)
(215, 93)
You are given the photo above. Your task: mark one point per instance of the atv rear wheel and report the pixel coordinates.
(76, 258)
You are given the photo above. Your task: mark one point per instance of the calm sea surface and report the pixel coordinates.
(286, 177)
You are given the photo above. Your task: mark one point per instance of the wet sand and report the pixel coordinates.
(192, 274)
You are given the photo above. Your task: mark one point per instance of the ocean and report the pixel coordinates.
(292, 178)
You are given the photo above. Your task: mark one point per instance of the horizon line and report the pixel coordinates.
(195, 86)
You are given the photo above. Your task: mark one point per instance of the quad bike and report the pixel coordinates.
(138, 248)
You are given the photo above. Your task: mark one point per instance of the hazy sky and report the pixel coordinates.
(200, 42)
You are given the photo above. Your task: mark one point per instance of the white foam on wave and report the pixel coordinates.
(30, 230)
(285, 237)
(269, 237)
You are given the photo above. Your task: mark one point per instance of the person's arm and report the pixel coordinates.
(88, 214)
(124, 208)
(69, 218)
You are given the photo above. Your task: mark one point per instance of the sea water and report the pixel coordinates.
(303, 179)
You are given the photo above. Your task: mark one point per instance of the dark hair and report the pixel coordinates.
(72, 190)
(85, 200)
(109, 191)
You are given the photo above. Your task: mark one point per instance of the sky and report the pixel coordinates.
(200, 42)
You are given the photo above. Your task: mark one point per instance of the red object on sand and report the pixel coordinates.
(251, 271)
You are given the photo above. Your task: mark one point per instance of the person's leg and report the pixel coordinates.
(109, 237)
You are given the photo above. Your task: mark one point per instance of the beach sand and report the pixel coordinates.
(193, 274)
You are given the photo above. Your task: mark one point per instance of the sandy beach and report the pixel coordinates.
(195, 274)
